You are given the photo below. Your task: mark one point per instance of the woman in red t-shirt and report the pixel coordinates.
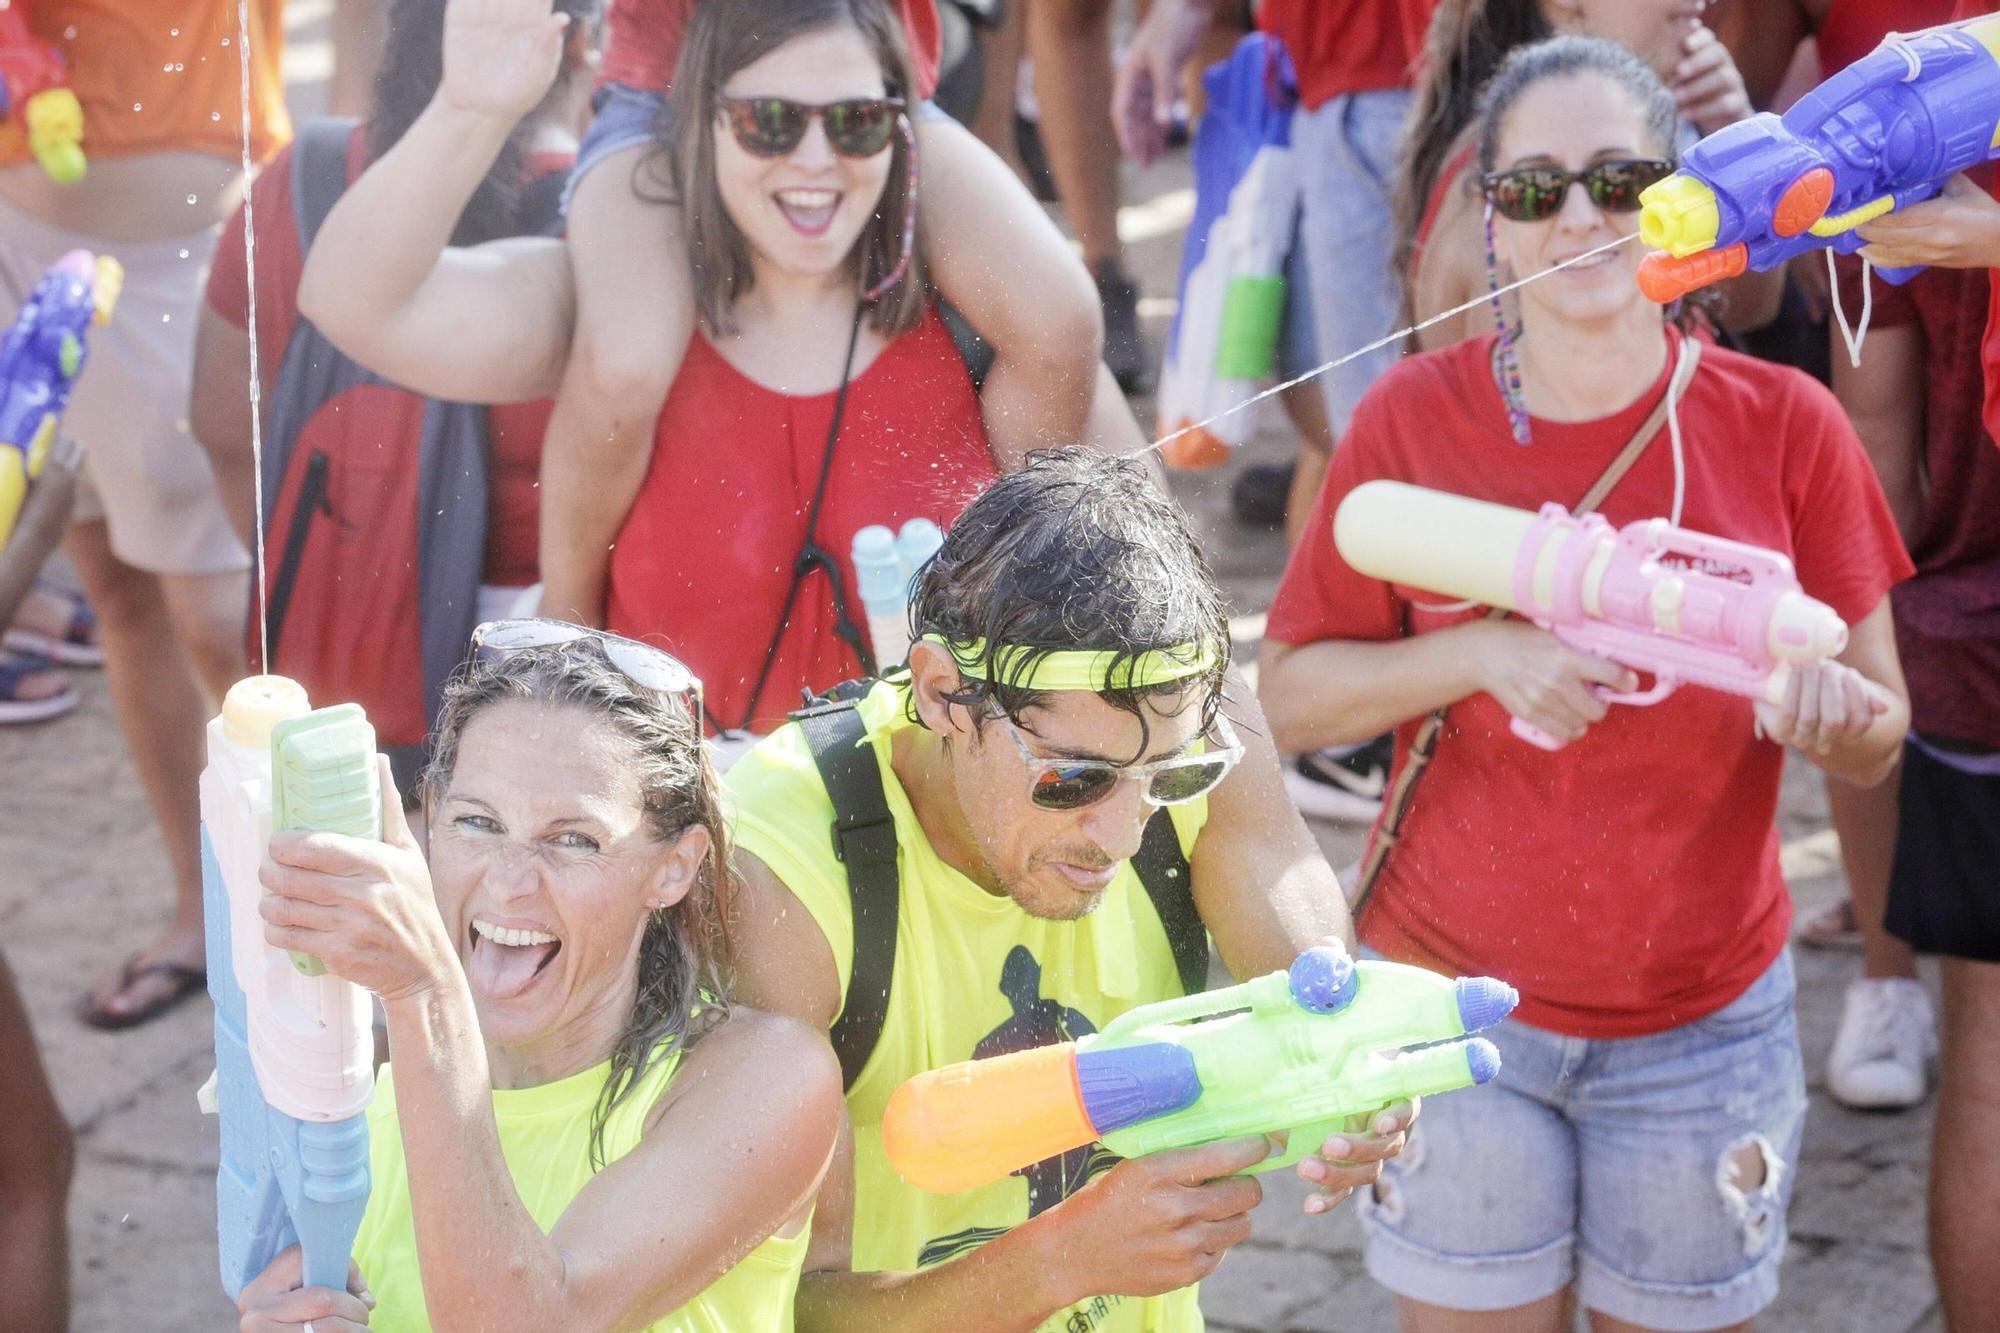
(823, 394)
(1437, 232)
(1628, 884)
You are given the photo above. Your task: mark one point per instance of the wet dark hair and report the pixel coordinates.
(406, 80)
(1467, 41)
(1076, 551)
(723, 38)
(685, 952)
(1562, 57)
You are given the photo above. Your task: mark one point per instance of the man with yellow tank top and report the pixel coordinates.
(1064, 719)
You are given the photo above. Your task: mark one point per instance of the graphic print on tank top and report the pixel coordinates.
(1036, 1021)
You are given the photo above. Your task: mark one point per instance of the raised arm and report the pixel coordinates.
(488, 324)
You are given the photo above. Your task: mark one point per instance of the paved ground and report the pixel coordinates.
(86, 887)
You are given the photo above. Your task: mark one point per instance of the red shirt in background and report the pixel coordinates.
(1948, 613)
(1853, 28)
(514, 430)
(1628, 883)
(642, 42)
(704, 558)
(1348, 46)
(1990, 345)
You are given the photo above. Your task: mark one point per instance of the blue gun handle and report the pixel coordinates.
(1896, 277)
(280, 1181)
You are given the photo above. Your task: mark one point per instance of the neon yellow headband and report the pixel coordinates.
(1094, 671)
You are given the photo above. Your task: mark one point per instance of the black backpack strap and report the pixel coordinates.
(864, 838)
(1170, 884)
(319, 173)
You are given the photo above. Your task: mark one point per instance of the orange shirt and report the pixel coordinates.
(163, 74)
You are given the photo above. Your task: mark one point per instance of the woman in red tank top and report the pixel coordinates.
(823, 393)
(783, 231)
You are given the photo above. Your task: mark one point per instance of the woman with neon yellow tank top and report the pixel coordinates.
(572, 1132)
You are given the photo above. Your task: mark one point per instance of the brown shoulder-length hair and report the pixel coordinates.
(722, 38)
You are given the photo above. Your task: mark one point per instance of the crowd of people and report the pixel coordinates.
(540, 404)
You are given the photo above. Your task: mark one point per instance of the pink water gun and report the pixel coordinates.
(1642, 596)
(34, 85)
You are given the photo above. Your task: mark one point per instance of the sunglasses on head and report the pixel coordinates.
(773, 126)
(1072, 784)
(1531, 194)
(647, 667)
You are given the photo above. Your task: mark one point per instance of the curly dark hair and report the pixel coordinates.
(1076, 551)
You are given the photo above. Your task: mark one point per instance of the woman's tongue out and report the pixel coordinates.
(809, 211)
(503, 971)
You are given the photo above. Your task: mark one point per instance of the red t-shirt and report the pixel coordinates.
(642, 42)
(1628, 883)
(1853, 28)
(705, 556)
(514, 430)
(1948, 613)
(1348, 46)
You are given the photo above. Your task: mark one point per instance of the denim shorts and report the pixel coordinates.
(1346, 150)
(1608, 1163)
(622, 116)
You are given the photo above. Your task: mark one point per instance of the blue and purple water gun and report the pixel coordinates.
(1884, 133)
(40, 359)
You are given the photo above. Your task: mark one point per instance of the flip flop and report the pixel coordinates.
(75, 646)
(17, 667)
(186, 981)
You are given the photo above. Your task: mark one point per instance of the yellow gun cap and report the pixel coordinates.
(1679, 215)
(110, 281)
(256, 704)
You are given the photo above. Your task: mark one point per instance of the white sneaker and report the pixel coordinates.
(1882, 1051)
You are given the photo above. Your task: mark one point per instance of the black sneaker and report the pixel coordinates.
(1258, 498)
(1346, 786)
(1124, 346)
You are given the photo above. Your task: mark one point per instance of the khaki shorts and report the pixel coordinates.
(143, 473)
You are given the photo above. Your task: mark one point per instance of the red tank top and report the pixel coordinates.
(705, 557)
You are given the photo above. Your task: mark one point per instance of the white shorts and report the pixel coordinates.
(143, 474)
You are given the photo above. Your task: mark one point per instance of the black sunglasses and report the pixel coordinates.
(1530, 194)
(773, 126)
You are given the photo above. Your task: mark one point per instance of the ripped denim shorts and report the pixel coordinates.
(1652, 1172)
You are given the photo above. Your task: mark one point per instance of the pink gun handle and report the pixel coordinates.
(1534, 735)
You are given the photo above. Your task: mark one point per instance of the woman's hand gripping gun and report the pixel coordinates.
(1884, 133)
(34, 85)
(294, 1045)
(1303, 1052)
(1638, 596)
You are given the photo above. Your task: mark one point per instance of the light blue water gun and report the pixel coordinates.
(885, 564)
(294, 1045)
(1232, 295)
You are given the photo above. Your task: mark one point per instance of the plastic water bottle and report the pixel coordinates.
(878, 571)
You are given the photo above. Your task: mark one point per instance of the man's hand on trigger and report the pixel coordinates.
(1157, 1223)
(1346, 1162)
(1958, 229)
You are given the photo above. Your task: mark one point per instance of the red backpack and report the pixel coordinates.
(376, 529)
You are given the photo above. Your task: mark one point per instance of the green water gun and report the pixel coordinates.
(1302, 1052)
